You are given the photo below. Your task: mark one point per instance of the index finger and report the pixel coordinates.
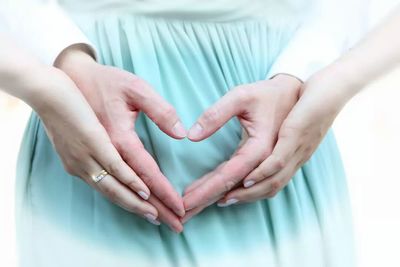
(134, 153)
(223, 180)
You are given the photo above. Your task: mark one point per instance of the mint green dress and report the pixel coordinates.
(63, 222)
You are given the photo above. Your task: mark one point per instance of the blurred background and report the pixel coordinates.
(367, 131)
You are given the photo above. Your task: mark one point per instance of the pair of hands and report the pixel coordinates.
(279, 137)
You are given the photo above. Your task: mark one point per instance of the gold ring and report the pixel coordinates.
(97, 178)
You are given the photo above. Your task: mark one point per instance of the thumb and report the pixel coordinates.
(230, 105)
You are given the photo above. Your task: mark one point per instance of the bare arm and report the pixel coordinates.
(377, 53)
(74, 130)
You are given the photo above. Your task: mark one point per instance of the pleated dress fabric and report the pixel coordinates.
(61, 221)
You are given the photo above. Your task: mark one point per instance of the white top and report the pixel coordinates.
(330, 26)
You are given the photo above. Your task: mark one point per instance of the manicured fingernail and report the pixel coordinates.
(152, 219)
(248, 183)
(195, 131)
(179, 130)
(173, 229)
(228, 202)
(180, 212)
(144, 195)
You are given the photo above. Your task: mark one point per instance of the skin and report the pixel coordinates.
(305, 125)
(261, 108)
(117, 96)
(117, 104)
(272, 150)
(73, 130)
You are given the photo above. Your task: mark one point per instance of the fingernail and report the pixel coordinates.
(180, 212)
(228, 202)
(248, 183)
(173, 229)
(179, 130)
(144, 195)
(195, 131)
(152, 219)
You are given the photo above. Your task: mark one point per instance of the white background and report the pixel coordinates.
(368, 133)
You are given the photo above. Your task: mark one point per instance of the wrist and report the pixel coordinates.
(49, 94)
(344, 81)
(330, 86)
(72, 58)
(287, 79)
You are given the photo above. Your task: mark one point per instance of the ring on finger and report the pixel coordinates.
(98, 177)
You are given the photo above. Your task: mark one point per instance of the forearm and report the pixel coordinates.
(42, 87)
(18, 71)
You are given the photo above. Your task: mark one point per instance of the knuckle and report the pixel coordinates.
(132, 183)
(275, 186)
(210, 115)
(266, 153)
(245, 95)
(117, 140)
(239, 166)
(114, 166)
(308, 151)
(136, 88)
(299, 163)
(148, 181)
(168, 113)
(134, 207)
(69, 168)
(165, 198)
(262, 172)
(111, 193)
(228, 185)
(280, 162)
(134, 145)
(258, 173)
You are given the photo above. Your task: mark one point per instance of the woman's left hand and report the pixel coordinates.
(321, 99)
(261, 107)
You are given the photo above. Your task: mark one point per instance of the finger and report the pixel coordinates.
(134, 153)
(201, 180)
(166, 215)
(230, 105)
(283, 152)
(193, 212)
(235, 169)
(108, 157)
(121, 195)
(157, 109)
(267, 188)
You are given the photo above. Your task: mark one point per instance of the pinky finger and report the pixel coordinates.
(191, 213)
(109, 158)
(127, 199)
(267, 188)
(280, 157)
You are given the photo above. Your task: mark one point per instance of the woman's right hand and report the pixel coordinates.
(117, 97)
(83, 144)
(81, 141)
